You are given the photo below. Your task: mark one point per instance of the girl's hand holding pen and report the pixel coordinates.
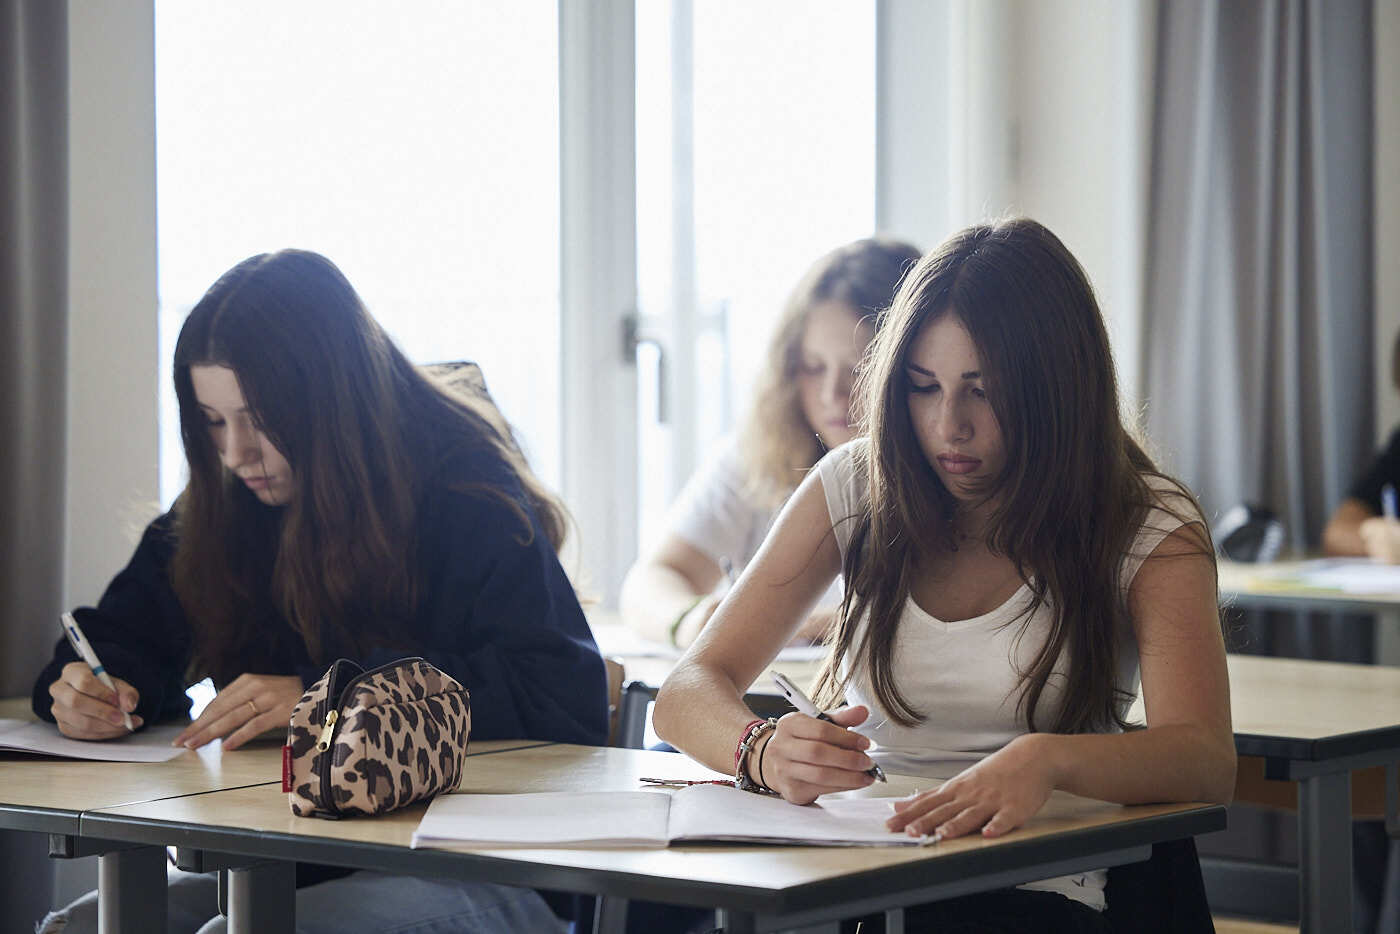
(246, 708)
(85, 708)
(995, 796)
(805, 757)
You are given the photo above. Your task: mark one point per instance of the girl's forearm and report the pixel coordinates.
(701, 713)
(1165, 763)
(652, 597)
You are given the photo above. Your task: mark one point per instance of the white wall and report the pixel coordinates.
(1387, 208)
(112, 348)
(1035, 107)
(1083, 104)
(913, 171)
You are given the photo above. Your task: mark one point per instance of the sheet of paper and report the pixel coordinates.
(149, 745)
(561, 819)
(1352, 575)
(719, 812)
(621, 641)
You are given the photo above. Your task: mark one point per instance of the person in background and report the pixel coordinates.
(801, 410)
(1363, 524)
(339, 505)
(1014, 566)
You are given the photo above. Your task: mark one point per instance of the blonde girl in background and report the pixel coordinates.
(801, 410)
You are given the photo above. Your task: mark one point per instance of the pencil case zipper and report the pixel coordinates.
(331, 721)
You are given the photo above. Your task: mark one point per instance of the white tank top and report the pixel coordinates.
(963, 675)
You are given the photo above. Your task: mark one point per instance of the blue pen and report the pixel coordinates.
(1388, 501)
(86, 653)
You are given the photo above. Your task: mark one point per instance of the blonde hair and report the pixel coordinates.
(777, 444)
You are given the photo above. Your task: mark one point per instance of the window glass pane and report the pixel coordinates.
(784, 154)
(774, 166)
(415, 144)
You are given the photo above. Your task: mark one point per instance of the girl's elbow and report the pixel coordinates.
(663, 715)
(1219, 786)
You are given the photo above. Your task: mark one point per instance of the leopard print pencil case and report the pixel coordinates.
(368, 742)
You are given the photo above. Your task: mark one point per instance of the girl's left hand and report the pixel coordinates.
(246, 708)
(996, 795)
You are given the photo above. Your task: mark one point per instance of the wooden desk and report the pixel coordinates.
(50, 795)
(1277, 586)
(1312, 723)
(756, 887)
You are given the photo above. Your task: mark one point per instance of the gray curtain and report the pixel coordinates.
(33, 349)
(1258, 326)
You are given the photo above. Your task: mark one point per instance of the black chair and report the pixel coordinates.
(1248, 533)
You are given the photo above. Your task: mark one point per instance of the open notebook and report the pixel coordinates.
(652, 818)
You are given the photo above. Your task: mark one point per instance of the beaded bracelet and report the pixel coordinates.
(752, 733)
(744, 738)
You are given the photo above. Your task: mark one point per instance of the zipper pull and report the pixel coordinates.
(324, 742)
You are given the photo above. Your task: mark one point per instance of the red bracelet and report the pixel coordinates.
(742, 780)
(740, 749)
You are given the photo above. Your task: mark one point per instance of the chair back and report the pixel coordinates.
(1248, 533)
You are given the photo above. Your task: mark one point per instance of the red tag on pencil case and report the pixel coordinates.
(286, 768)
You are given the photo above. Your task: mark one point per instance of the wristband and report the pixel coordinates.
(676, 624)
(763, 782)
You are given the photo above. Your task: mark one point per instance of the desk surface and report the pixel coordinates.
(1311, 710)
(1284, 585)
(257, 822)
(47, 794)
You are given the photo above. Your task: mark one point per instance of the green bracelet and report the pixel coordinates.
(676, 625)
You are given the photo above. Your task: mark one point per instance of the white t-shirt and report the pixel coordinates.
(717, 514)
(963, 674)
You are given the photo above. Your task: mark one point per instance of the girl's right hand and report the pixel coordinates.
(805, 757)
(85, 708)
(1382, 538)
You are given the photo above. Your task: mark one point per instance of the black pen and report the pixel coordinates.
(804, 704)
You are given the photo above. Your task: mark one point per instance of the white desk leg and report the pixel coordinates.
(131, 891)
(1387, 638)
(1324, 853)
(262, 899)
(610, 915)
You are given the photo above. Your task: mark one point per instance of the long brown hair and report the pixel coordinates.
(363, 432)
(778, 445)
(1072, 494)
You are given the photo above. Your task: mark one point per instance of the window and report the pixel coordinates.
(756, 154)
(415, 145)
